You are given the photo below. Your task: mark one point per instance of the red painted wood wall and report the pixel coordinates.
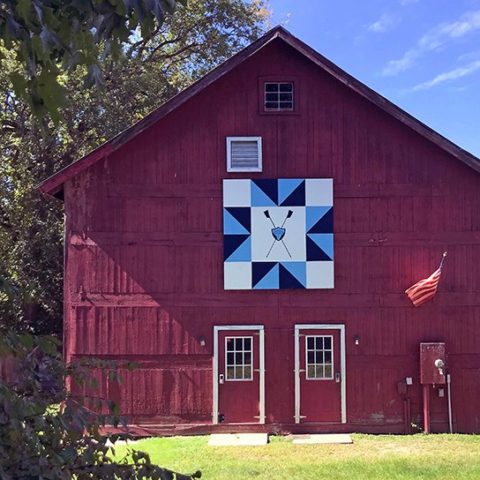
(144, 264)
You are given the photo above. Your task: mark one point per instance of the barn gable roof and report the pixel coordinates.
(54, 185)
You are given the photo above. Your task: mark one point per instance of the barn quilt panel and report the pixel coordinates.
(278, 233)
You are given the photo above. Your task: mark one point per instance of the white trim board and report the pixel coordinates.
(343, 379)
(261, 356)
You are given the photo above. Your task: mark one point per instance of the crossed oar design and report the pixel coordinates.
(278, 232)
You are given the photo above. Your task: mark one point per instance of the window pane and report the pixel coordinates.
(286, 106)
(229, 358)
(271, 97)
(271, 87)
(311, 371)
(328, 371)
(230, 373)
(247, 373)
(238, 359)
(239, 373)
(271, 106)
(230, 344)
(318, 357)
(310, 343)
(319, 371)
(328, 357)
(285, 97)
(311, 357)
(247, 344)
(239, 344)
(286, 87)
(247, 358)
(319, 343)
(328, 343)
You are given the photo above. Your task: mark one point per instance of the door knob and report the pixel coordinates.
(221, 378)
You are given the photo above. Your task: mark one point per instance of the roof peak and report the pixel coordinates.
(53, 185)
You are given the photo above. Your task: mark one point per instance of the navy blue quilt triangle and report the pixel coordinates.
(296, 198)
(242, 215)
(325, 224)
(314, 252)
(287, 280)
(269, 187)
(231, 243)
(260, 269)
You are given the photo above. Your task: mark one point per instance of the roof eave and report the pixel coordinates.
(52, 185)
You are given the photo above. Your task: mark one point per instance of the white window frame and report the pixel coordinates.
(258, 168)
(332, 363)
(278, 110)
(243, 365)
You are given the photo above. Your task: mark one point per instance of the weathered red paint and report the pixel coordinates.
(144, 267)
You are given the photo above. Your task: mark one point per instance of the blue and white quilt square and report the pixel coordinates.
(278, 233)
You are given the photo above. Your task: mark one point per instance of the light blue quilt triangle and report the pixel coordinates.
(271, 281)
(286, 186)
(243, 253)
(314, 214)
(259, 198)
(298, 270)
(231, 226)
(324, 241)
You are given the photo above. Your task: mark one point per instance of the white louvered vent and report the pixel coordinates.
(244, 154)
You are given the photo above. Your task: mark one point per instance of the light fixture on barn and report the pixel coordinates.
(201, 340)
(356, 339)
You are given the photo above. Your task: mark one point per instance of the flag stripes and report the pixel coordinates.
(425, 289)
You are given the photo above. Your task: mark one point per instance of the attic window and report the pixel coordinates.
(278, 96)
(244, 154)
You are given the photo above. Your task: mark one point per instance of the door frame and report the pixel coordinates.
(343, 378)
(261, 355)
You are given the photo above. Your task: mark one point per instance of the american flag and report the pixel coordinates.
(425, 289)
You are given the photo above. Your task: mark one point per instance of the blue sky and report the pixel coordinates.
(424, 55)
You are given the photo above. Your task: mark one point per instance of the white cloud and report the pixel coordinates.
(384, 23)
(394, 67)
(469, 56)
(433, 40)
(448, 76)
(466, 24)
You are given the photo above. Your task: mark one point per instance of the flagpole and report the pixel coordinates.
(443, 259)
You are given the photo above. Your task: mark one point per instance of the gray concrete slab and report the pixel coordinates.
(237, 439)
(330, 438)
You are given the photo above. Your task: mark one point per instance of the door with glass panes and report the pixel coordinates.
(320, 375)
(238, 376)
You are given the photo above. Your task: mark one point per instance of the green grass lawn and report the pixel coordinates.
(371, 457)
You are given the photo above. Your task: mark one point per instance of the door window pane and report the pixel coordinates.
(238, 358)
(319, 357)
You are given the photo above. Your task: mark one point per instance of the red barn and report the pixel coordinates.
(200, 244)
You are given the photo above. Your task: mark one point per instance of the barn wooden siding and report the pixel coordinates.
(144, 266)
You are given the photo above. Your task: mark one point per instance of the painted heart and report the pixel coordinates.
(278, 233)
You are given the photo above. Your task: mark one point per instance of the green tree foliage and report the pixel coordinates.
(38, 441)
(153, 69)
(54, 36)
